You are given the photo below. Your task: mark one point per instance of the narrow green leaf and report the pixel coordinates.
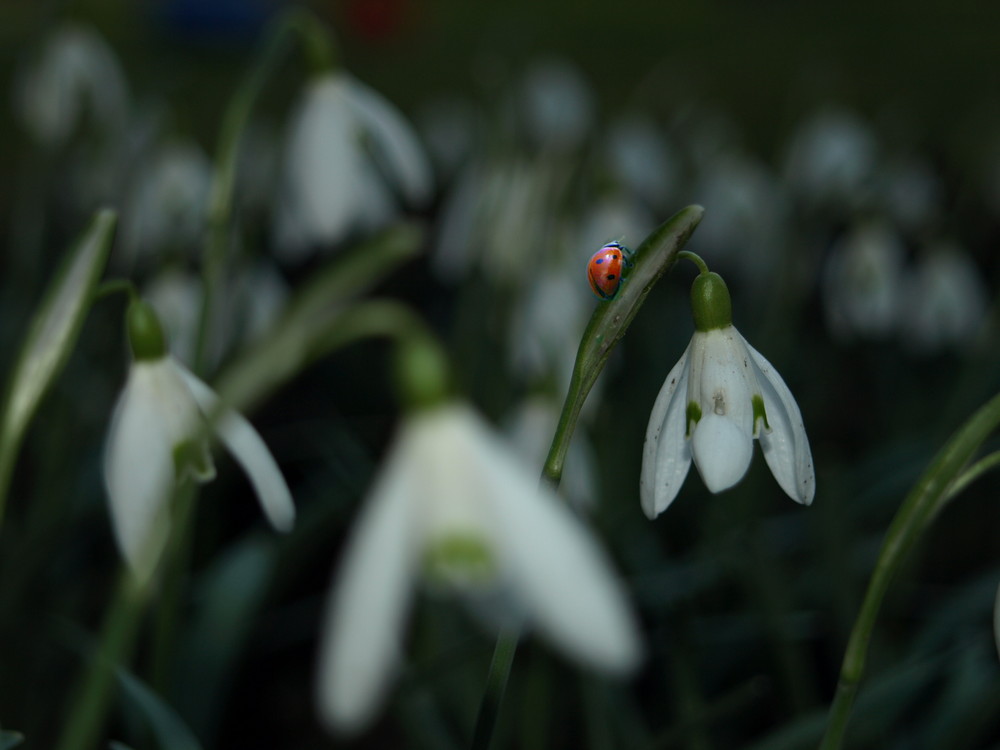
(52, 336)
(170, 731)
(655, 256)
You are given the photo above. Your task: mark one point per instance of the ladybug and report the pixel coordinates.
(604, 271)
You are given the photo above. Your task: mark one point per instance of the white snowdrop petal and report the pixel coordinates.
(395, 141)
(249, 450)
(722, 376)
(785, 447)
(721, 451)
(360, 640)
(666, 453)
(139, 473)
(323, 162)
(554, 563)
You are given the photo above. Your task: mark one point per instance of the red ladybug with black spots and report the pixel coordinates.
(604, 271)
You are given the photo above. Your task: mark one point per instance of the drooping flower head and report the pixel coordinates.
(159, 435)
(716, 400)
(454, 507)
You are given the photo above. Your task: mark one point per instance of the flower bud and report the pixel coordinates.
(710, 302)
(145, 334)
(421, 372)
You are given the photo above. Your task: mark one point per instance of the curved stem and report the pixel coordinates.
(930, 493)
(114, 286)
(319, 50)
(694, 258)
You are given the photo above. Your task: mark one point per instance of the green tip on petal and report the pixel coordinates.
(459, 559)
(693, 415)
(759, 414)
(422, 373)
(710, 302)
(145, 334)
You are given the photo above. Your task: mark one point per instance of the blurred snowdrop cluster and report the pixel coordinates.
(871, 289)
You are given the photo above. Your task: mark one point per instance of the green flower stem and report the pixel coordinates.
(940, 482)
(115, 286)
(319, 49)
(496, 685)
(694, 258)
(656, 255)
(93, 692)
(971, 474)
(174, 566)
(119, 631)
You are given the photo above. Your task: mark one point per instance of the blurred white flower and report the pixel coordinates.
(912, 193)
(862, 282)
(750, 213)
(831, 160)
(641, 158)
(75, 75)
(166, 210)
(558, 107)
(348, 151)
(944, 301)
(158, 435)
(716, 400)
(453, 503)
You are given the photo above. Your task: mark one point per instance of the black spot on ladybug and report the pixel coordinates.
(599, 260)
(611, 277)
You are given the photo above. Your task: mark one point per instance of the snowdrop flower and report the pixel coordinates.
(717, 399)
(452, 502)
(557, 105)
(944, 301)
(862, 282)
(76, 74)
(831, 159)
(159, 435)
(348, 150)
(642, 159)
(166, 210)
